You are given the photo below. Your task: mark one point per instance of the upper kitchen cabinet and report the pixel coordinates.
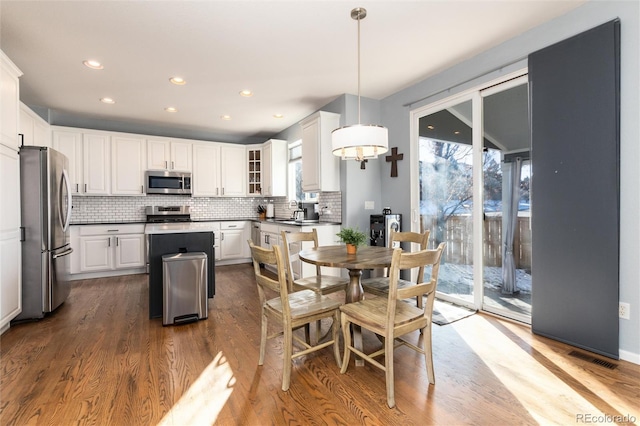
(219, 170)
(69, 142)
(10, 105)
(254, 164)
(89, 157)
(206, 170)
(96, 163)
(128, 157)
(164, 154)
(274, 168)
(34, 129)
(320, 168)
(233, 170)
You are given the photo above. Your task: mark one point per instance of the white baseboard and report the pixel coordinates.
(629, 356)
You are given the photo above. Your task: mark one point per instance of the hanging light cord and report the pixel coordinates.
(359, 15)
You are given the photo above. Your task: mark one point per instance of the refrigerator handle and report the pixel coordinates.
(67, 219)
(64, 253)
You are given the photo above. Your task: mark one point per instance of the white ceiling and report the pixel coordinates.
(295, 55)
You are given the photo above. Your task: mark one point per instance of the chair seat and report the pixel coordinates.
(380, 286)
(321, 284)
(306, 303)
(372, 313)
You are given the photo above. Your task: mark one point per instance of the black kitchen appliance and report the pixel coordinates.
(380, 226)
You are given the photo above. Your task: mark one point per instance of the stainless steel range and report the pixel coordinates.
(168, 214)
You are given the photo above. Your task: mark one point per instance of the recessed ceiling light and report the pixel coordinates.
(225, 117)
(107, 101)
(179, 81)
(457, 132)
(171, 109)
(430, 127)
(246, 93)
(94, 65)
(278, 116)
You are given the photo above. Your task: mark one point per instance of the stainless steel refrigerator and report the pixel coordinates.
(46, 212)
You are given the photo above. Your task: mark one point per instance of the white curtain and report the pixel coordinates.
(511, 198)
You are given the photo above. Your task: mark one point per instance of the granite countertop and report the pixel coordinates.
(196, 221)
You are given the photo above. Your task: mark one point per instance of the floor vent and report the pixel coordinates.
(593, 360)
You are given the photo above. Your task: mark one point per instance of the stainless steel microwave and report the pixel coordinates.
(165, 182)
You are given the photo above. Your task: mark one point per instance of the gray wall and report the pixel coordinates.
(512, 55)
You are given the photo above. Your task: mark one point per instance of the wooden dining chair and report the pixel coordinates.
(380, 285)
(291, 310)
(321, 284)
(392, 318)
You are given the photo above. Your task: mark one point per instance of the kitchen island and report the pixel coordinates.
(169, 238)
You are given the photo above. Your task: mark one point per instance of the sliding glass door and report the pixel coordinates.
(473, 177)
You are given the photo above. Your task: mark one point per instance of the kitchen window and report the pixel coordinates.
(294, 187)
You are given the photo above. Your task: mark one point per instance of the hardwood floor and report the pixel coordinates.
(100, 360)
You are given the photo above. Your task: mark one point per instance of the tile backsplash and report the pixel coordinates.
(89, 209)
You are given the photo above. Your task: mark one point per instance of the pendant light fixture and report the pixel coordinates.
(359, 141)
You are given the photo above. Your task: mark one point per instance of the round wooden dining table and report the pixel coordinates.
(366, 257)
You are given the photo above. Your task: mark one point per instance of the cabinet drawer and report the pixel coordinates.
(135, 228)
(232, 225)
(269, 227)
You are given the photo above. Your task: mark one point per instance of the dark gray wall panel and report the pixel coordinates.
(574, 94)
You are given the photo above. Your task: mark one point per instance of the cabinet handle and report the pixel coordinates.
(77, 190)
(112, 230)
(222, 236)
(223, 190)
(172, 166)
(85, 187)
(109, 242)
(142, 189)
(21, 138)
(117, 241)
(166, 164)
(216, 191)
(232, 226)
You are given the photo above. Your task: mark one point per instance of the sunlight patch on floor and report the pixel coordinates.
(203, 401)
(546, 397)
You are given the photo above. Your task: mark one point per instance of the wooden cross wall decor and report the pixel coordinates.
(393, 159)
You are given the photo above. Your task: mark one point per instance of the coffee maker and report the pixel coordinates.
(381, 225)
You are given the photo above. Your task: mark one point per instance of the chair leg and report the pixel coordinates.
(335, 333)
(307, 334)
(388, 364)
(316, 335)
(263, 339)
(428, 354)
(286, 358)
(346, 333)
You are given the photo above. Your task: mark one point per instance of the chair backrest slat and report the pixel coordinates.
(278, 284)
(422, 239)
(289, 238)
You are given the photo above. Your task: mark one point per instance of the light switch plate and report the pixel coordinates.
(369, 205)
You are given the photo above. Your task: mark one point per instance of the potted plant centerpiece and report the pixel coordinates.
(352, 238)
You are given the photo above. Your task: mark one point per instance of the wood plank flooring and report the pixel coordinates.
(100, 360)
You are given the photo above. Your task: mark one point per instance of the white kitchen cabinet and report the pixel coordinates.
(274, 168)
(165, 154)
(107, 249)
(34, 129)
(96, 163)
(233, 240)
(206, 170)
(69, 142)
(10, 105)
(128, 158)
(320, 168)
(10, 245)
(233, 170)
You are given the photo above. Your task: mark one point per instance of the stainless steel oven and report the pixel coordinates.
(166, 182)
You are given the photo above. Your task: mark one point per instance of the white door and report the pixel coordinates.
(127, 154)
(129, 251)
(232, 244)
(96, 164)
(95, 253)
(181, 156)
(206, 170)
(233, 169)
(310, 156)
(70, 144)
(157, 154)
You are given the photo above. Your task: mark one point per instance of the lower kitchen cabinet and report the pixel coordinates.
(107, 249)
(233, 240)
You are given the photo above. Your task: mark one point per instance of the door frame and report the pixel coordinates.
(474, 94)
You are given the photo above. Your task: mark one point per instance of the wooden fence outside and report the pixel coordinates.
(459, 238)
